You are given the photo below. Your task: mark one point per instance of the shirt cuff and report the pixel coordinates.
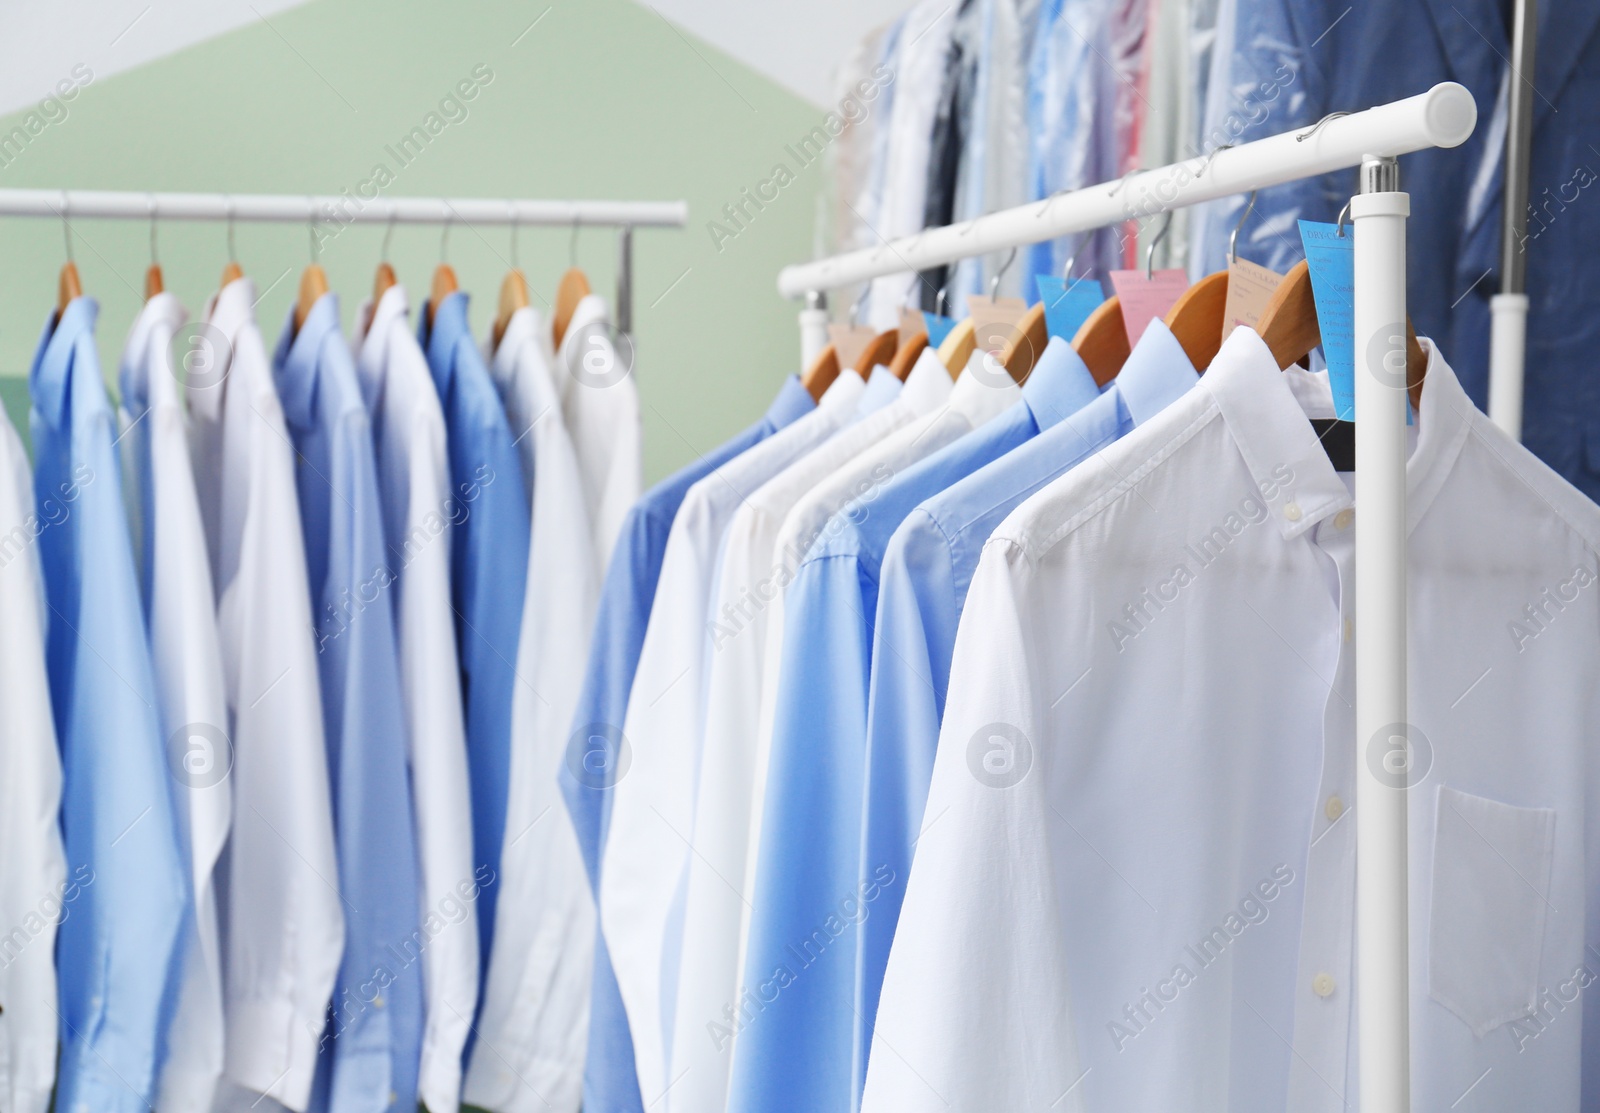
(272, 1050)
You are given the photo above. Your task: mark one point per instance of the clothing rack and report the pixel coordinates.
(342, 209)
(1508, 310)
(1444, 116)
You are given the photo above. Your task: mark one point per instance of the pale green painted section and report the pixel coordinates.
(599, 98)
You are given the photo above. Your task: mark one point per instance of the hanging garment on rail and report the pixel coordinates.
(373, 1043)
(755, 568)
(34, 888)
(600, 406)
(535, 1017)
(599, 755)
(283, 932)
(191, 700)
(823, 651)
(926, 572)
(117, 953)
(488, 569)
(1173, 876)
(652, 809)
(408, 434)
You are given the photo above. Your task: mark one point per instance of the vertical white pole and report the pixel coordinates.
(1508, 346)
(813, 329)
(1384, 756)
(1508, 310)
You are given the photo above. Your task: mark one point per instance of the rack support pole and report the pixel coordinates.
(813, 329)
(1508, 328)
(1385, 758)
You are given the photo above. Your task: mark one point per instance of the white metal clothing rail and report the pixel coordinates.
(1444, 116)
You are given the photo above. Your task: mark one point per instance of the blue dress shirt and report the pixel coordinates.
(799, 1055)
(373, 1044)
(117, 942)
(923, 585)
(610, 1082)
(490, 531)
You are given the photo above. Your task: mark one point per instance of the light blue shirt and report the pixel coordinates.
(799, 1054)
(373, 1043)
(592, 766)
(116, 948)
(923, 585)
(490, 531)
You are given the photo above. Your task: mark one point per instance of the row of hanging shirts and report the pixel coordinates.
(979, 733)
(293, 640)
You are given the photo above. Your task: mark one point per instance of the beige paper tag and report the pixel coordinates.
(849, 341)
(911, 323)
(1250, 287)
(994, 323)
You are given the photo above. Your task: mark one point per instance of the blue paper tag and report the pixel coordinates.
(938, 328)
(1066, 307)
(1332, 261)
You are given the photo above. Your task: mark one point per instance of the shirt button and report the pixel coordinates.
(1322, 985)
(393, 1097)
(1334, 808)
(1291, 510)
(1343, 519)
(377, 1002)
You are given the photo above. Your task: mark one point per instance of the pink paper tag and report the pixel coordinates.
(1144, 299)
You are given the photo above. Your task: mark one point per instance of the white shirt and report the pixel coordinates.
(765, 545)
(414, 481)
(180, 608)
(1141, 805)
(533, 1031)
(34, 888)
(652, 814)
(282, 927)
(600, 406)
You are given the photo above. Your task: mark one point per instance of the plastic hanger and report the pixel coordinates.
(153, 283)
(232, 270)
(68, 285)
(1290, 329)
(444, 275)
(384, 277)
(313, 282)
(513, 292)
(1198, 317)
(572, 289)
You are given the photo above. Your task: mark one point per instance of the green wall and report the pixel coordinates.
(594, 98)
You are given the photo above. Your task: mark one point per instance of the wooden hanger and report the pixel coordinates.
(958, 346)
(880, 349)
(822, 373)
(1196, 318)
(382, 279)
(1023, 350)
(152, 281)
(444, 284)
(313, 284)
(1289, 327)
(574, 287)
(230, 272)
(513, 296)
(1102, 341)
(68, 287)
(907, 355)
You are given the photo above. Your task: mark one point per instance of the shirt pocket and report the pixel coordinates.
(1491, 889)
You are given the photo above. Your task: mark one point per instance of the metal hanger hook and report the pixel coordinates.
(154, 259)
(311, 229)
(572, 244)
(444, 241)
(388, 234)
(1233, 240)
(1339, 226)
(515, 263)
(66, 226)
(1150, 252)
(861, 301)
(994, 283)
(1303, 136)
(942, 298)
(1211, 156)
(227, 208)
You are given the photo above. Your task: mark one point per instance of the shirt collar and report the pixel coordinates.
(882, 388)
(298, 356)
(1290, 468)
(375, 326)
(792, 403)
(48, 379)
(928, 385)
(161, 316)
(1442, 427)
(439, 335)
(521, 329)
(1060, 384)
(843, 394)
(1156, 372)
(980, 397)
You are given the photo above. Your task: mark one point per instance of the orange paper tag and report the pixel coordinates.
(1250, 287)
(994, 323)
(849, 341)
(1144, 299)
